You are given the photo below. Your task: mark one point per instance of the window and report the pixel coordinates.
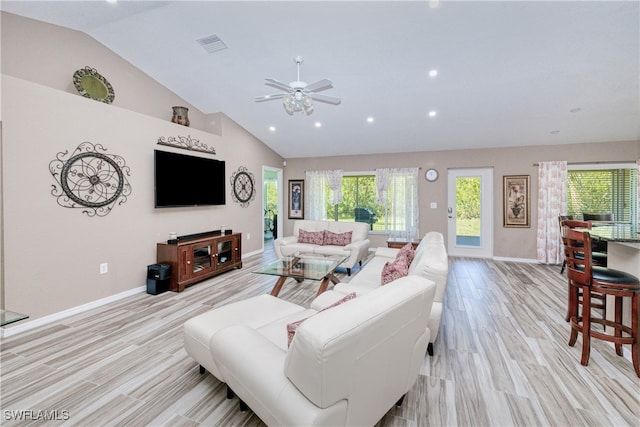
(398, 216)
(606, 189)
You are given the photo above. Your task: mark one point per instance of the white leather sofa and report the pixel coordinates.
(430, 261)
(357, 250)
(347, 365)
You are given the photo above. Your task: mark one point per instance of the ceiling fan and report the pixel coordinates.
(300, 95)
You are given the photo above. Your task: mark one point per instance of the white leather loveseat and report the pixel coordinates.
(347, 365)
(430, 261)
(357, 248)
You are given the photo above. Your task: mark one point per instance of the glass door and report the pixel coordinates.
(470, 212)
(201, 258)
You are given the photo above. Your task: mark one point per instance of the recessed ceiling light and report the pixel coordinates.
(432, 113)
(433, 73)
(272, 128)
(318, 124)
(369, 119)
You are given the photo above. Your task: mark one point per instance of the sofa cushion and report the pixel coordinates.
(395, 269)
(293, 326)
(341, 239)
(312, 237)
(408, 251)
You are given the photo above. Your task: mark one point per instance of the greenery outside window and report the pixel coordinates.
(359, 204)
(603, 189)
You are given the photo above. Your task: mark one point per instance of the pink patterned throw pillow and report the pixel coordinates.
(313, 237)
(293, 326)
(342, 239)
(408, 251)
(395, 269)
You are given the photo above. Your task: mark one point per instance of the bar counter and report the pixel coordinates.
(623, 253)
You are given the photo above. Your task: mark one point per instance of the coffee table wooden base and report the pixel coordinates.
(324, 284)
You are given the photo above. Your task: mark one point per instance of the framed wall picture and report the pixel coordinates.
(516, 201)
(296, 199)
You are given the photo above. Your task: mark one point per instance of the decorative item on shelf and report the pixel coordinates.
(187, 143)
(222, 228)
(173, 235)
(91, 84)
(516, 201)
(90, 178)
(180, 115)
(243, 186)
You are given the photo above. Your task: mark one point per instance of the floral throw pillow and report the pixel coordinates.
(407, 251)
(293, 326)
(341, 239)
(313, 237)
(395, 269)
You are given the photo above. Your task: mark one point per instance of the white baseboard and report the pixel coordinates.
(523, 260)
(22, 327)
(25, 326)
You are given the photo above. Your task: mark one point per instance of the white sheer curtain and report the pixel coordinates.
(316, 195)
(315, 198)
(552, 201)
(382, 185)
(335, 186)
(402, 196)
(638, 211)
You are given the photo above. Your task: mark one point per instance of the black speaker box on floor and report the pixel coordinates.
(158, 276)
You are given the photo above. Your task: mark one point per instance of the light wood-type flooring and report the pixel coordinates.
(501, 359)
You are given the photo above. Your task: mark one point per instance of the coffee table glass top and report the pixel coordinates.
(303, 266)
(7, 317)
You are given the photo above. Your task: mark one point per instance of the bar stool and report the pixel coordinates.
(590, 279)
(597, 258)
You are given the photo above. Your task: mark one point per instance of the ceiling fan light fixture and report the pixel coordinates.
(297, 101)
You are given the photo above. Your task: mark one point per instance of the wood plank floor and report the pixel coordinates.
(501, 359)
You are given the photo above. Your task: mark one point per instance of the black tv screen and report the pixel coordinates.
(183, 180)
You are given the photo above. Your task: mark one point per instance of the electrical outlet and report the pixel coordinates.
(248, 236)
(104, 268)
(434, 205)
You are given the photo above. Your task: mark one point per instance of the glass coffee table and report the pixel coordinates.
(303, 266)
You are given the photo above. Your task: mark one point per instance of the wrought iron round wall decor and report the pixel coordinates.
(243, 186)
(90, 179)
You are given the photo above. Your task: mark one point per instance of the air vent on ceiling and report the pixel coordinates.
(212, 43)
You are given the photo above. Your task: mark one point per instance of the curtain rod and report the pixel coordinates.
(592, 163)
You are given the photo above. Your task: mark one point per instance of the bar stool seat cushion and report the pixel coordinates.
(609, 275)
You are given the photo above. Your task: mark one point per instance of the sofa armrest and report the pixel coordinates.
(387, 252)
(359, 251)
(283, 241)
(257, 377)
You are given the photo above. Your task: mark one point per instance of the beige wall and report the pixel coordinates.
(508, 242)
(51, 254)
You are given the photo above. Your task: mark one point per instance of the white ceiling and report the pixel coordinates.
(511, 73)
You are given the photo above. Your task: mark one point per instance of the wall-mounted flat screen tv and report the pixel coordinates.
(184, 180)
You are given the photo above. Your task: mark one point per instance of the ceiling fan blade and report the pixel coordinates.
(277, 84)
(325, 98)
(270, 97)
(323, 84)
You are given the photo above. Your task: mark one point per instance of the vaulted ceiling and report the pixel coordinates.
(509, 73)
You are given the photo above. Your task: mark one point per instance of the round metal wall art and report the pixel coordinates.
(91, 84)
(243, 186)
(90, 178)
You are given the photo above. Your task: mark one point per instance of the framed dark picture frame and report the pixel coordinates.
(296, 199)
(516, 201)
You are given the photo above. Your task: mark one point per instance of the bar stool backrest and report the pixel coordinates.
(578, 266)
